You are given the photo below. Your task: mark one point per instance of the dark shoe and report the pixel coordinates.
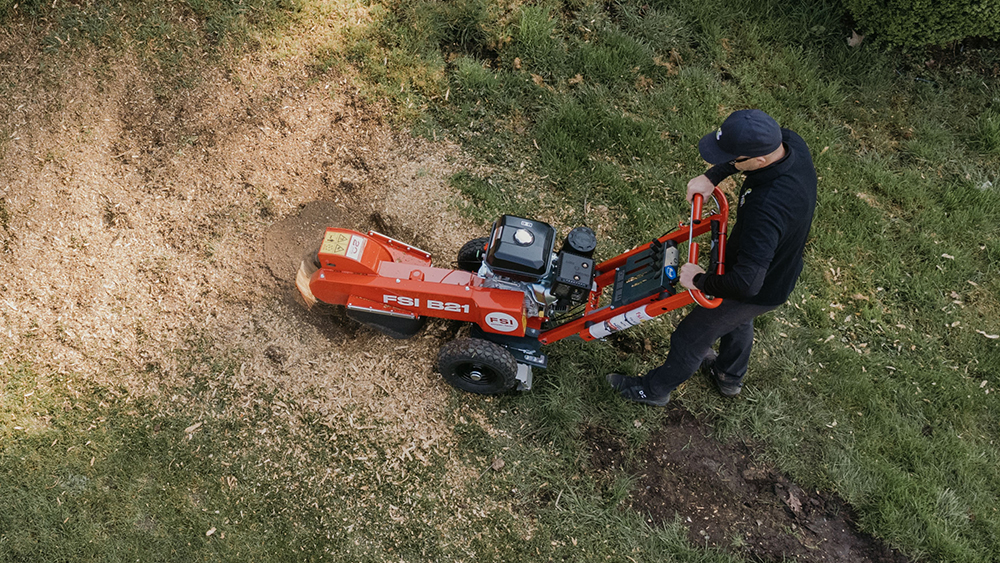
(631, 388)
(728, 385)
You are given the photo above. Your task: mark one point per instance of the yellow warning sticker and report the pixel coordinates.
(344, 244)
(335, 243)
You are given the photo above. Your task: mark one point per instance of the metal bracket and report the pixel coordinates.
(523, 377)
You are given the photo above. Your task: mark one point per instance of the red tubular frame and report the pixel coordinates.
(653, 305)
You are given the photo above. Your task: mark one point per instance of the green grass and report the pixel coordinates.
(90, 473)
(876, 381)
(885, 333)
(172, 39)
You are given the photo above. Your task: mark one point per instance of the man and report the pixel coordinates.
(763, 254)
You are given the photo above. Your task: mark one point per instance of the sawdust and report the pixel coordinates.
(140, 222)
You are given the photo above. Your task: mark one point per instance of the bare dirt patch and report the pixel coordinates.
(730, 500)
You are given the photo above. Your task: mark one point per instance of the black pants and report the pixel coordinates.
(731, 323)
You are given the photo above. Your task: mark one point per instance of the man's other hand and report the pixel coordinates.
(688, 272)
(700, 185)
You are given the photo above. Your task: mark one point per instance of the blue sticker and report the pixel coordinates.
(670, 272)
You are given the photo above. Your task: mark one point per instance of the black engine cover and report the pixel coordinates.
(520, 248)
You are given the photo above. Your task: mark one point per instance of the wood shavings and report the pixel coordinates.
(133, 262)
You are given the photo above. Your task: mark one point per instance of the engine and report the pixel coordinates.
(521, 256)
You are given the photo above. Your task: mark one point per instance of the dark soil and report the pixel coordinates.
(730, 500)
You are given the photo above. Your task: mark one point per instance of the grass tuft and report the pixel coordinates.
(987, 132)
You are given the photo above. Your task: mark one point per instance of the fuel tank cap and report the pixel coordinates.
(523, 237)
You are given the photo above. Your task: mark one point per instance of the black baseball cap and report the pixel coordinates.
(747, 132)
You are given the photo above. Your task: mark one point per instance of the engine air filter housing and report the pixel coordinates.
(520, 248)
(582, 241)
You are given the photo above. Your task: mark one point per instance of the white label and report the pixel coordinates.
(501, 322)
(636, 316)
(620, 322)
(356, 247)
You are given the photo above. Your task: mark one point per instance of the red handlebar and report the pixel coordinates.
(697, 294)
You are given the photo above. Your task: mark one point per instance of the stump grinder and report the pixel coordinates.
(519, 288)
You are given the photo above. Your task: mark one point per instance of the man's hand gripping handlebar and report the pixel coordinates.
(696, 294)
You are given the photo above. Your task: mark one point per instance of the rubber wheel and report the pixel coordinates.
(470, 256)
(477, 366)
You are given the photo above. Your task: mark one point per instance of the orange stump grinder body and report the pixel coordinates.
(516, 290)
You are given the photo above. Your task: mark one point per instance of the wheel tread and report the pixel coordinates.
(470, 256)
(492, 355)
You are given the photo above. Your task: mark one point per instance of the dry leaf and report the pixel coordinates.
(794, 503)
(855, 39)
(497, 464)
(671, 67)
(859, 297)
(210, 531)
(517, 63)
(575, 80)
(948, 256)
(537, 79)
(192, 428)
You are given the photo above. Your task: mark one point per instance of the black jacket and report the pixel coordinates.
(774, 213)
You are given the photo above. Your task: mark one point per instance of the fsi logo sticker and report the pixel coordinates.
(501, 322)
